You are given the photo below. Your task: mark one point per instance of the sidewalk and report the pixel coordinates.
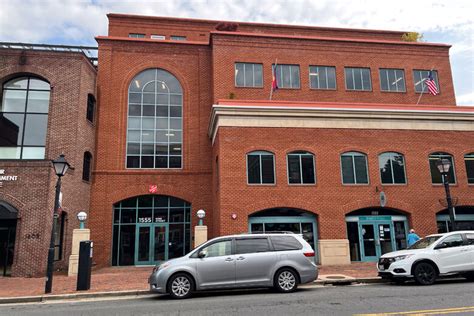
(130, 279)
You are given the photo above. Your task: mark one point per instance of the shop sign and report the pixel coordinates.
(6, 178)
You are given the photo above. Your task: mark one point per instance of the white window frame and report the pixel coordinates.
(353, 154)
(260, 153)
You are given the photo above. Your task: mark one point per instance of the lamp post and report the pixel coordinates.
(201, 214)
(82, 216)
(443, 166)
(60, 167)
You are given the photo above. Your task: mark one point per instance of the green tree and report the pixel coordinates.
(412, 37)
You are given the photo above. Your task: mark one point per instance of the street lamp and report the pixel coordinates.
(443, 166)
(60, 167)
(82, 216)
(201, 214)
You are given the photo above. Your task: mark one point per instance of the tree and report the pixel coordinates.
(412, 37)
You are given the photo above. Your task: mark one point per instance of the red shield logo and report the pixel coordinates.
(153, 188)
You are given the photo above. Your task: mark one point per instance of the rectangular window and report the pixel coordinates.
(251, 245)
(358, 79)
(354, 168)
(420, 76)
(157, 37)
(392, 80)
(322, 77)
(260, 168)
(288, 76)
(90, 108)
(469, 161)
(136, 35)
(248, 75)
(282, 243)
(301, 168)
(178, 38)
(392, 168)
(436, 177)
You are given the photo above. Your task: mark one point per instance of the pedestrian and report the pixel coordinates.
(412, 237)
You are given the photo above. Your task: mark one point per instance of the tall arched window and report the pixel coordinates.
(354, 168)
(24, 118)
(435, 174)
(392, 168)
(469, 161)
(300, 168)
(86, 166)
(260, 167)
(155, 123)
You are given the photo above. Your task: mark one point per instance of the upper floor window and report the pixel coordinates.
(24, 118)
(435, 174)
(358, 79)
(154, 131)
(420, 76)
(392, 168)
(157, 37)
(177, 38)
(248, 75)
(136, 35)
(288, 76)
(469, 161)
(260, 168)
(322, 77)
(392, 80)
(301, 168)
(354, 168)
(90, 107)
(86, 166)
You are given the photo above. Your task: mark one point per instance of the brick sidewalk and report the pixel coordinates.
(133, 278)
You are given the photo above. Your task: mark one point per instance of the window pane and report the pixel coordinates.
(295, 76)
(308, 169)
(361, 169)
(322, 78)
(35, 129)
(313, 77)
(248, 77)
(349, 79)
(147, 162)
(251, 245)
(12, 129)
(174, 162)
(133, 148)
(347, 170)
(267, 169)
(161, 162)
(133, 161)
(286, 73)
(385, 168)
(282, 243)
(33, 153)
(17, 83)
(398, 166)
(383, 80)
(331, 73)
(258, 75)
(38, 101)
(39, 84)
(294, 171)
(253, 168)
(366, 83)
(10, 152)
(469, 161)
(357, 79)
(239, 74)
(13, 101)
(218, 249)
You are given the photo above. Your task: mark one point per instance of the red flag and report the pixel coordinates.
(274, 78)
(432, 89)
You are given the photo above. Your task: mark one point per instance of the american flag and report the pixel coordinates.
(274, 79)
(431, 84)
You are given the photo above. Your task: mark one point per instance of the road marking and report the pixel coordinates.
(453, 310)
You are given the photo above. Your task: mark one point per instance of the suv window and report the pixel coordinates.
(251, 245)
(281, 243)
(470, 239)
(453, 241)
(217, 249)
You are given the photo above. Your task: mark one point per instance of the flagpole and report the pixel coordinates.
(423, 88)
(273, 71)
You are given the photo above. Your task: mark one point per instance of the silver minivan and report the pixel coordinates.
(275, 260)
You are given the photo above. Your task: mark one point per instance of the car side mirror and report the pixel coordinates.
(202, 254)
(441, 246)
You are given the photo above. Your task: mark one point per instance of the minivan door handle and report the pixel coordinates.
(240, 258)
(229, 259)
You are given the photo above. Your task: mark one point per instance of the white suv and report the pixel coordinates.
(435, 255)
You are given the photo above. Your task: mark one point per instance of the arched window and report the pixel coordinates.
(155, 123)
(435, 174)
(90, 108)
(24, 118)
(260, 167)
(392, 168)
(469, 161)
(301, 168)
(86, 166)
(354, 168)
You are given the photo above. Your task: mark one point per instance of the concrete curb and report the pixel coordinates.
(75, 296)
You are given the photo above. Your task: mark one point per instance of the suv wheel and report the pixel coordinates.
(425, 273)
(286, 281)
(180, 286)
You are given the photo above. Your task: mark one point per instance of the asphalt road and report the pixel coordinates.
(446, 298)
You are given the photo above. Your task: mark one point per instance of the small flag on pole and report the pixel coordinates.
(431, 84)
(274, 78)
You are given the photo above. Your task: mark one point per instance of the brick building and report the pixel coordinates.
(343, 152)
(48, 100)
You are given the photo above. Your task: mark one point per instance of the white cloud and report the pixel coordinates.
(77, 22)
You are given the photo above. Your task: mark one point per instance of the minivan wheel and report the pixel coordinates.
(286, 281)
(425, 273)
(180, 285)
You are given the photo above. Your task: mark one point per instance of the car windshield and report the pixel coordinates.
(424, 242)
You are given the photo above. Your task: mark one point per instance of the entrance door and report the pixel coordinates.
(151, 244)
(369, 240)
(7, 246)
(377, 238)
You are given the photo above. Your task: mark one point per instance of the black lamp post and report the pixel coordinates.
(443, 166)
(60, 167)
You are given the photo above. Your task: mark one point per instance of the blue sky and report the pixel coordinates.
(77, 22)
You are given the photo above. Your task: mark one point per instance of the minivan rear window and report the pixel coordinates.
(281, 243)
(251, 245)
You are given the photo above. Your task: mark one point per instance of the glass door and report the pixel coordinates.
(385, 237)
(368, 236)
(151, 244)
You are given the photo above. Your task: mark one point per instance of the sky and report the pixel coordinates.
(77, 22)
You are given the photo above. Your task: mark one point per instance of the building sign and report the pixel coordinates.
(6, 178)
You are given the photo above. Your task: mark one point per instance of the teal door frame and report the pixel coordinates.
(378, 251)
(151, 242)
(289, 219)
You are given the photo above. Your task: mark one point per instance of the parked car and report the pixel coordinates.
(281, 261)
(430, 257)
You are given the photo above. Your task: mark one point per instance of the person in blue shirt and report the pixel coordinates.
(412, 237)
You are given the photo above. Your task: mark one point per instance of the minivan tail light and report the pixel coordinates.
(309, 254)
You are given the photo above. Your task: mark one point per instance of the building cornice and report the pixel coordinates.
(338, 116)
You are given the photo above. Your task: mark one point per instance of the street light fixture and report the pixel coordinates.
(201, 214)
(60, 167)
(443, 166)
(82, 216)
